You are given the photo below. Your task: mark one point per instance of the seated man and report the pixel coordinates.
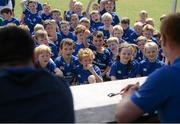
(162, 88)
(27, 94)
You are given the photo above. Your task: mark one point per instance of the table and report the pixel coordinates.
(91, 103)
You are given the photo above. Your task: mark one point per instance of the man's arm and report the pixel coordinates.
(127, 111)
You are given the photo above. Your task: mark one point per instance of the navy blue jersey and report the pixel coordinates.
(102, 60)
(127, 34)
(51, 66)
(77, 47)
(58, 40)
(68, 14)
(94, 26)
(146, 67)
(30, 95)
(54, 50)
(3, 2)
(139, 56)
(31, 20)
(82, 74)
(45, 17)
(105, 32)
(67, 69)
(70, 35)
(133, 37)
(124, 71)
(13, 20)
(161, 92)
(115, 19)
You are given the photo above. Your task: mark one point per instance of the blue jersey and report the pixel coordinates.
(51, 66)
(94, 26)
(45, 17)
(67, 69)
(70, 35)
(146, 67)
(31, 20)
(68, 14)
(105, 32)
(161, 92)
(102, 60)
(13, 20)
(58, 40)
(77, 47)
(133, 37)
(54, 50)
(115, 19)
(127, 34)
(139, 56)
(82, 74)
(3, 2)
(123, 71)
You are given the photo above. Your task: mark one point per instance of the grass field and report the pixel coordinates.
(129, 8)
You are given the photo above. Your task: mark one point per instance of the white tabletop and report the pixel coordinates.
(92, 104)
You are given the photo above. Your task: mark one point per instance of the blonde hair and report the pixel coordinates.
(38, 27)
(106, 16)
(86, 52)
(94, 12)
(118, 27)
(85, 20)
(66, 41)
(141, 38)
(41, 33)
(113, 39)
(150, 44)
(143, 12)
(79, 29)
(78, 3)
(150, 21)
(40, 49)
(138, 24)
(148, 27)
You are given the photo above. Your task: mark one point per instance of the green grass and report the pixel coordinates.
(129, 8)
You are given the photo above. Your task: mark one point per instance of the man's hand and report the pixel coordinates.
(129, 89)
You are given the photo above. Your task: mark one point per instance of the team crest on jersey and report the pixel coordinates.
(144, 69)
(79, 75)
(61, 67)
(119, 72)
(104, 57)
(68, 73)
(34, 20)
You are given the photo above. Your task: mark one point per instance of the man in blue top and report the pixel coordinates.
(28, 94)
(162, 88)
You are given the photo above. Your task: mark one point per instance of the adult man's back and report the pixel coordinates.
(27, 94)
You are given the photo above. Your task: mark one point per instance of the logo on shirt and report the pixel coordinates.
(61, 67)
(119, 72)
(145, 69)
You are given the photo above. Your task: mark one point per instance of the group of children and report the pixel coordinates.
(89, 47)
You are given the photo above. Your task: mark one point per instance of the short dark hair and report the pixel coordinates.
(170, 28)
(16, 46)
(6, 10)
(125, 20)
(98, 34)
